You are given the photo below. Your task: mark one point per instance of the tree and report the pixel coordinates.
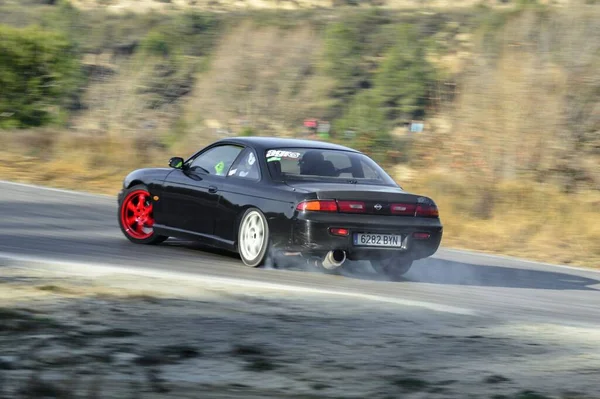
(342, 56)
(402, 81)
(39, 71)
(364, 117)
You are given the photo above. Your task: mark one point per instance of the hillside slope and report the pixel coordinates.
(509, 98)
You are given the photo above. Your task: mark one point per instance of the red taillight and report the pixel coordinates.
(351, 206)
(339, 231)
(403, 209)
(421, 236)
(318, 205)
(427, 211)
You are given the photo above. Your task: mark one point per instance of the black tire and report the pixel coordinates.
(253, 251)
(393, 268)
(130, 230)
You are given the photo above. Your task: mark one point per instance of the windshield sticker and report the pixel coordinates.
(243, 173)
(273, 159)
(232, 172)
(283, 154)
(251, 159)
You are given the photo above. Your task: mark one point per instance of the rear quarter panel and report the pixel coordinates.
(276, 201)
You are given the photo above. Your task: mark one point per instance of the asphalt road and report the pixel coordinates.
(60, 225)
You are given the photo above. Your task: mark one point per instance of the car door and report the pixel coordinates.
(241, 186)
(191, 194)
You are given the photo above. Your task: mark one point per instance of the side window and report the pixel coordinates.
(369, 173)
(246, 166)
(217, 160)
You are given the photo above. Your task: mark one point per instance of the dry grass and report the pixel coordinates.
(79, 162)
(524, 107)
(520, 135)
(529, 219)
(259, 76)
(167, 5)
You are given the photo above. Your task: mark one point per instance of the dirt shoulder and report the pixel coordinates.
(131, 336)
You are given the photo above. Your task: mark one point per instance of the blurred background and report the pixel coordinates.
(490, 107)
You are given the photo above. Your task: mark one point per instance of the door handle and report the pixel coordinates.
(212, 189)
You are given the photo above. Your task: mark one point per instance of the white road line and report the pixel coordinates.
(97, 269)
(58, 190)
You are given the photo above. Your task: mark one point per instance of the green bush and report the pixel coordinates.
(367, 121)
(157, 42)
(382, 80)
(349, 42)
(190, 33)
(39, 73)
(404, 76)
(197, 31)
(342, 56)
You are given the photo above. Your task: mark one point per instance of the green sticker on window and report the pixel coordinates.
(220, 167)
(274, 159)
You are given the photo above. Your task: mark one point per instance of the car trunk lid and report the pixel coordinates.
(368, 199)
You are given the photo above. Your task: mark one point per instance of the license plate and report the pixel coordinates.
(377, 240)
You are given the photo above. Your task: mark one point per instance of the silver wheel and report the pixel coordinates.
(253, 238)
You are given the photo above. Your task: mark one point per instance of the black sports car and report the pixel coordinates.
(256, 196)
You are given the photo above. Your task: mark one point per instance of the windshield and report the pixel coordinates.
(329, 165)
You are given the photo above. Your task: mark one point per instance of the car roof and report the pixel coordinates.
(265, 143)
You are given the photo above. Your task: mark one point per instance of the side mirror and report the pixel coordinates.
(176, 162)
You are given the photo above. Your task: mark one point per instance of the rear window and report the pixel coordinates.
(320, 164)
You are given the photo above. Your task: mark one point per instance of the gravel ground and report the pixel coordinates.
(127, 336)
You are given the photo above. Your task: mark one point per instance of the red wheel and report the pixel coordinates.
(136, 216)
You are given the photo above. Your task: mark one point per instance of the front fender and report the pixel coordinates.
(152, 178)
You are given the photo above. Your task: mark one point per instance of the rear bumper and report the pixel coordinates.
(312, 237)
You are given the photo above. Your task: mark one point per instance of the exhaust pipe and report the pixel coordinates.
(334, 259)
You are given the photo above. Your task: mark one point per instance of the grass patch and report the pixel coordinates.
(495, 379)
(411, 384)
(446, 383)
(56, 289)
(530, 395)
(528, 219)
(181, 351)
(150, 359)
(11, 314)
(168, 354)
(39, 388)
(110, 333)
(318, 386)
(18, 321)
(257, 358)
(101, 357)
(526, 394)
(260, 364)
(119, 333)
(248, 350)
(147, 298)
